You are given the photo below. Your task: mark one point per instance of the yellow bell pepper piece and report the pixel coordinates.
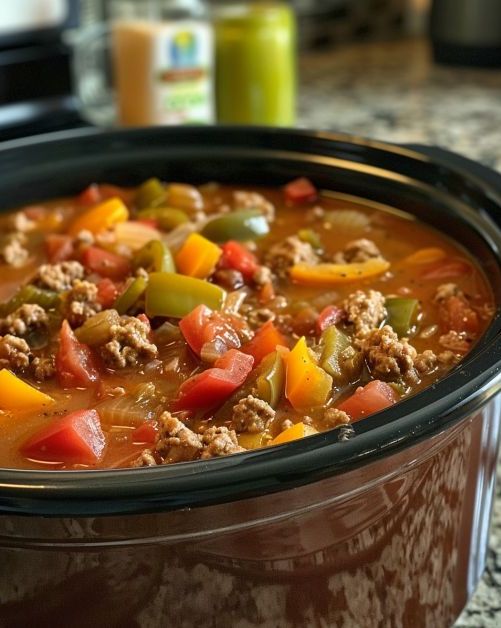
(299, 430)
(425, 256)
(331, 274)
(100, 217)
(15, 394)
(197, 257)
(306, 384)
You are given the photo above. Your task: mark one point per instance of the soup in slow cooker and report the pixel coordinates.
(171, 323)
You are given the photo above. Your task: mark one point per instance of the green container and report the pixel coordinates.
(256, 63)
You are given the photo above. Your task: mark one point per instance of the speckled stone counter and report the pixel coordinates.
(394, 92)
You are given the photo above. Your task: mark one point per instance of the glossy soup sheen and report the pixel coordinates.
(304, 316)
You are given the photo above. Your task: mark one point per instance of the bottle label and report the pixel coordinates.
(182, 74)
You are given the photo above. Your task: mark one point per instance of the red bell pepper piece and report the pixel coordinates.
(264, 342)
(105, 263)
(237, 257)
(372, 397)
(212, 387)
(76, 438)
(330, 315)
(75, 362)
(300, 191)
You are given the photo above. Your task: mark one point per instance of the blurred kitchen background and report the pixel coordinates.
(408, 71)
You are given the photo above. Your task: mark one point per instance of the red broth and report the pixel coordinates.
(291, 312)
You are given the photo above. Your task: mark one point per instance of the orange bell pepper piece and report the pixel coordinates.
(265, 341)
(425, 256)
(298, 430)
(100, 217)
(198, 257)
(306, 384)
(332, 274)
(16, 394)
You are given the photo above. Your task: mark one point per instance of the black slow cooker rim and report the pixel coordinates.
(122, 491)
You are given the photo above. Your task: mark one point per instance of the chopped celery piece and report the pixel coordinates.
(171, 294)
(151, 193)
(246, 224)
(167, 217)
(130, 295)
(402, 314)
(343, 368)
(155, 256)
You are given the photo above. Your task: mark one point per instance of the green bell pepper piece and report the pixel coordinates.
(246, 224)
(402, 314)
(171, 294)
(97, 329)
(155, 256)
(130, 295)
(151, 193)
(270, 381)
(167, 217)
(333, 343)
(29, 293)
(311, 237)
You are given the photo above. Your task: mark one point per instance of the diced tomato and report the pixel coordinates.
(107, 292)
(145, 433)
(447, 270)
(300, 191)
(264, 342)
(212, 387)
(203, 325)
(76, 438)
(237, 257)
(267, 292)
(59, 247)
(457, 315)
(105, 263)
(75, 363)
(372, 397)
(330, 315)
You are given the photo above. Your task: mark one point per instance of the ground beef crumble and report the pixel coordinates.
(43, 368)
(286, 253)
(13, 251)
(60, 277)
(81, 302)
(391, 358)
(220, 441)
(25, 319)
(445, 291)
(252, 414)
(357, 251)
(365, 310)
(457, 342)
(254, 200)
(15, 353)
(334, 417)
(129, 344)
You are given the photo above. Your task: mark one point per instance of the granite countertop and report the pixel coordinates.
(392, 91)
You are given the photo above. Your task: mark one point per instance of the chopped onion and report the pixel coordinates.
(135, 234)
(130, 409)
(234, 301)
(347, 219)
(175, 238)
